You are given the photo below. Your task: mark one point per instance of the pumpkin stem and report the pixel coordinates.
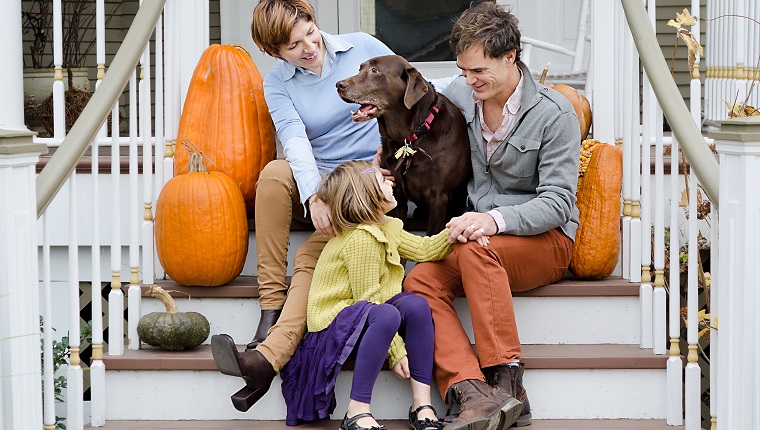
(544, 73)
(240, 47)
(159, 293)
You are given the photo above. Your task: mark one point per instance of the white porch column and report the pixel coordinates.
(187, 36)
(738, 143)
(603, 85)
(12, 70)
(20, 373)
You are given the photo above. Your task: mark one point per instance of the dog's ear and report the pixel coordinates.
(416, 87)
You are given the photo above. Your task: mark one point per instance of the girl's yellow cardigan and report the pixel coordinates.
(364, 263)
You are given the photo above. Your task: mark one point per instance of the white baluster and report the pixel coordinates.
(660, 296)
(133, 295)
(147, 162)
(675, 365)
(645, 290)
(74, 375)
(47, 320)
(715, 273)
(59, 111)
(158, 181)
(97, 368)
(116, 295)
(635, 166)
(627, 150)
(693, 374)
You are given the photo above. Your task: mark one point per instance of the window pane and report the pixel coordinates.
(418, 30)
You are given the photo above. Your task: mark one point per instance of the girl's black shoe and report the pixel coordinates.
(427, 423)
(351, 423)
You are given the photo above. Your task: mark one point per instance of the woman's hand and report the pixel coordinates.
(401, 369)
(320, 216)
(376, 164)
(472, 226)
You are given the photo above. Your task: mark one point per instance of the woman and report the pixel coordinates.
(315, 128)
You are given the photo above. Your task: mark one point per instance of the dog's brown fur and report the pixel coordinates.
(435, 178)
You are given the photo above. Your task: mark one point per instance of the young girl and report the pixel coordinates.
(355, 303)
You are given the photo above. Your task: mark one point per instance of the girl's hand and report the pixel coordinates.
(320, 217)
(376, 164)
(401, 369)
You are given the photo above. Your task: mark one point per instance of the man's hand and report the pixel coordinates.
(376, 164)
(401, 369)
(320, 216)
(472, 226)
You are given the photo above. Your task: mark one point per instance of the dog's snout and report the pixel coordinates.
(341, 85)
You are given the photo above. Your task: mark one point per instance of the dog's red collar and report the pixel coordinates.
(425, 126)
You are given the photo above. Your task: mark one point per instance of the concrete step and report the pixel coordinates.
(563, 381)
(390, 424)
(569, 312)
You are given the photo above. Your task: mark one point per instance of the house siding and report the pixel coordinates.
(666, 10)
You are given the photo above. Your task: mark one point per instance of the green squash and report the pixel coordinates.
(172, 330)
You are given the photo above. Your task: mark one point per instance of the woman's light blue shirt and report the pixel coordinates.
(313, 123)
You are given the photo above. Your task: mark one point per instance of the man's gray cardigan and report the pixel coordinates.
(532, 177)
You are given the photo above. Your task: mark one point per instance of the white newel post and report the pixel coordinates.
(20, 370)
(738, 143)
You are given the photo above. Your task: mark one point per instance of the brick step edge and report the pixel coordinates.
(248, 287)
(534, 357)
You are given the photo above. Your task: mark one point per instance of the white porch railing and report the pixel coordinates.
(153, 119)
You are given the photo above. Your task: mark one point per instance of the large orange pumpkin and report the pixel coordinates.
(201, 227)
(597, 241)
(226, 117)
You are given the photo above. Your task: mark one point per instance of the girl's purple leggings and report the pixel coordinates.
(409, 316)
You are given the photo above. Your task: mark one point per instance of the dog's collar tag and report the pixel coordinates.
(405, 150)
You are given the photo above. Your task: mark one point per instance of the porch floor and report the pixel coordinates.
(391, 425)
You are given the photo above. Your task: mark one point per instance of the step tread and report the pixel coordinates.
(247, 287)
(534, 357)
(390, 424)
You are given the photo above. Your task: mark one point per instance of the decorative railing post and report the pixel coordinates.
(738, 143)
(20, 373)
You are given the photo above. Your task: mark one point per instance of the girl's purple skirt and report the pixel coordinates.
(308, 379)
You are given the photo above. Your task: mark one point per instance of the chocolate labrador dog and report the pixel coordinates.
(424, 137)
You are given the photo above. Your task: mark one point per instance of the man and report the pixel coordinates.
(524, 141)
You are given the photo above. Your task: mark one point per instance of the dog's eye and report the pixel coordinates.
(373, 70)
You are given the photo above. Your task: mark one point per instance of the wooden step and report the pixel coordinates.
(390, 424)
(534, 357)
(542, 314)
(248, 287)
(564, 382)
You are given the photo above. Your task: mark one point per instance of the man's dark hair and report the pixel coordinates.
(488, 25)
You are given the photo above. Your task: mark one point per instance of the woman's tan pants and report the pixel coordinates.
(277, 203)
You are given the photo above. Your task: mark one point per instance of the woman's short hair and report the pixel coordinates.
(488, 25)
(273, 21)
(354, 196)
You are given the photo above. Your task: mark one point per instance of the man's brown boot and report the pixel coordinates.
(481, 407)
(510, 380)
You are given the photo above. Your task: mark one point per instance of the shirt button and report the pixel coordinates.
(522, 147)
(546, 89)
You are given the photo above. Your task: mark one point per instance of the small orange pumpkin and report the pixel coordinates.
(201, 227)
(597, 241)
(226, 117)
(580, 104)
